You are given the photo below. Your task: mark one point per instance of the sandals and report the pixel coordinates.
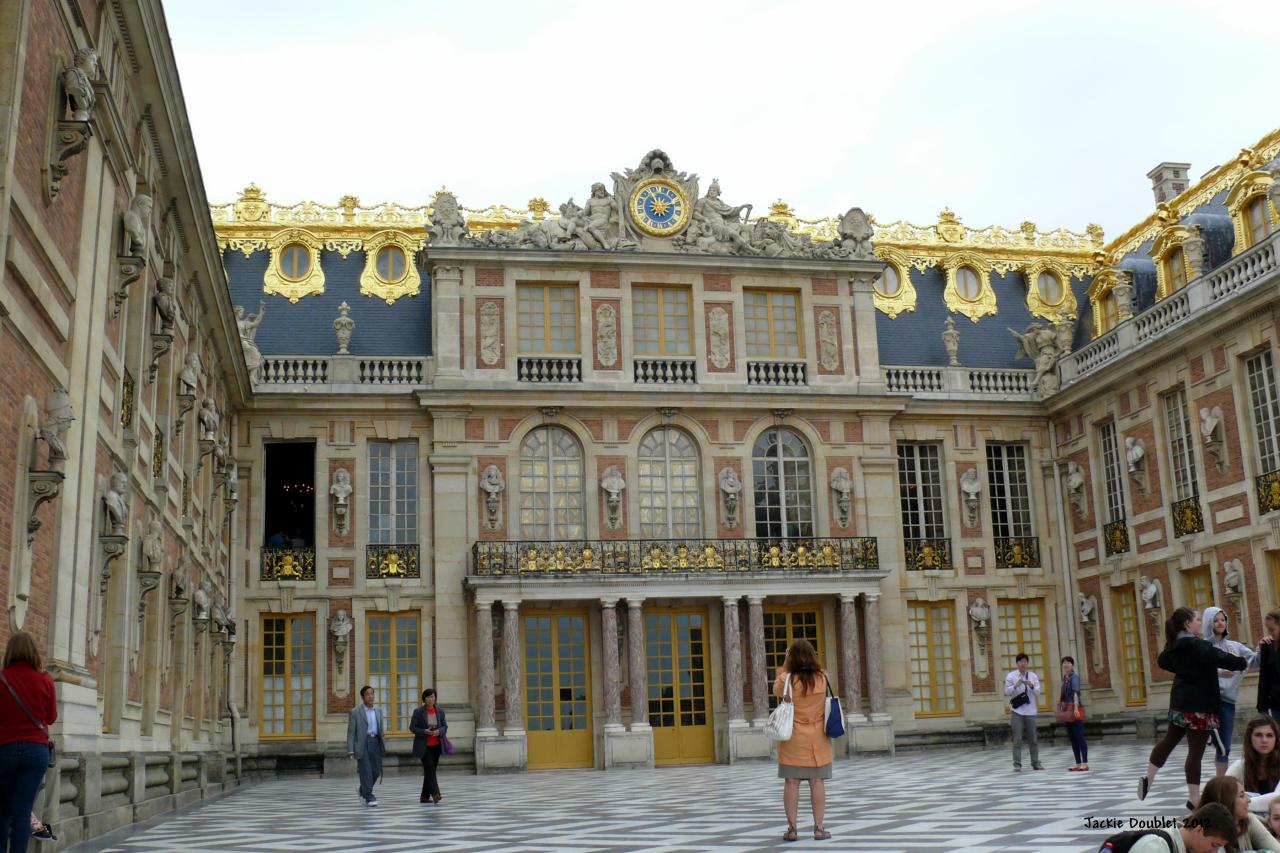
(820, 834)
(791, 834)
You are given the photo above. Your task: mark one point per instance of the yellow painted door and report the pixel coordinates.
(679, 687)
(557, 692)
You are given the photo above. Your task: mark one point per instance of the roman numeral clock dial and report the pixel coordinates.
(659, 207)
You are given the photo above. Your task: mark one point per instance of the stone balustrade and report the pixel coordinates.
(961, 382)
(665, 371)
(343, 374)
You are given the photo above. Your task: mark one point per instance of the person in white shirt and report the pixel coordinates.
(1023, 685)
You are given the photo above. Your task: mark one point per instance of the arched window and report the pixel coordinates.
(669, 496)
(968, 283)
(551, 469)
(783, 485)
(1110, 310)
(1256, 222)
(1176, 268)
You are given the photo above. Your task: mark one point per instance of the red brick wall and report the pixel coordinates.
(625, 427)
(487, 535)
(712, 427)
(1095, 669)
(984, 684)
(1146, 432)
(853, 432)
(1256, 601)
(605, 279)
(1081, 458)
(733, 356)
(822, 427)
(502, 334)
(979, 569)
(489, 278)
(1240, 499)
(602, 463)
(1224, 399)
(473, 429)
(617, 332)
(823, 286)
(1145, 527)
(818, 311)
(1155, 630)
(506, 426)
(349, 580)
(717, 282)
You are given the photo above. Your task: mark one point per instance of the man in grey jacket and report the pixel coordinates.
(366, 743)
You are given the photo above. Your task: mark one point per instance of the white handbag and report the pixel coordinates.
(783, 718)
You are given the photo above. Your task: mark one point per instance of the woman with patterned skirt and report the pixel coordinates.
(1194, 700)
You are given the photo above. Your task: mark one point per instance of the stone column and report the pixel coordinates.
(446, 283)
(485, 724)
(639, 665)
(732, 661)
(875, 657)
(759, 672)
(612, 669)
(850, 659)
(512, 675)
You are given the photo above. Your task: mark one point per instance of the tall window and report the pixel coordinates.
(931, 634)
(288, 676)
(783, 625)
(783, 491)
(1135, 685)
(1176, 268)
(394, 664)
(1265, 404)
(1010, 496)
(669, 499)
(1109, 307)
(662, 320)
(1181, 459)
(548, 319)
(1022, 630)
(393, 492)
(1256, 220)
(1111, 477)
(772, 323)
(1199, 588)
(920, 491)
(551, 472)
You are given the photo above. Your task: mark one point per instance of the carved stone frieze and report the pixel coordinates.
(719, 332)
(490, 334)
(607, 335)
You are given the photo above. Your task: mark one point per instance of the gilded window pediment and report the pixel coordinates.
(1041, 304)
(972, 303)
(889, 299)
(293, 270)
(1253, 187)
(1178, 252)
(390, 271)
(1110, 294)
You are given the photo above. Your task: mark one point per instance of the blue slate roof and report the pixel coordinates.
(915, 337)
(306, 328)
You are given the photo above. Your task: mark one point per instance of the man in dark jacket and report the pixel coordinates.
(1269, 669)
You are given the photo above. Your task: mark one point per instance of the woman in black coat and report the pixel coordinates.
(1194, 699)
(429, 727)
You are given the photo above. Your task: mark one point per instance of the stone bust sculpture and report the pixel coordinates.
(1150, 593)
(1134, 453)
(730, 487)
(970, 488)
(341, 626)
(341, 488)
(189, 376)
(77, 81)
(117, 503)
(137, 225)
(1088, 608)
(979, 613)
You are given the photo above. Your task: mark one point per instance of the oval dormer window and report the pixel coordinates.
(1049, 288)
(889, 284)
(295, 261)
(390, 264)
(968, 283)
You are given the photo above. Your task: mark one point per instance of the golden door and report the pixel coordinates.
(679, 687)
(557, 693)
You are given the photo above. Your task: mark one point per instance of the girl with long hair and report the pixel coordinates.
(1259, 770)
(1251, 833)
(807, 755)
(1194, 700)
(1216, 629)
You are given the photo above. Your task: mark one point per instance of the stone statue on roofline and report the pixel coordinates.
(855, 235)
(1040, 344)
(448, 226)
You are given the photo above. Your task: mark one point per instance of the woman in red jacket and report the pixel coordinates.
(27, 708)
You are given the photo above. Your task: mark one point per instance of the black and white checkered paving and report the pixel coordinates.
(946, 800)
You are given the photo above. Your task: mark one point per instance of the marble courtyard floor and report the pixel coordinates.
(946, 800)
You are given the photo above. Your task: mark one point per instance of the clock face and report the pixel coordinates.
(659, 207)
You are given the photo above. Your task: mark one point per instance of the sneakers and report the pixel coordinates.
(373, 804)
(44, 833)
(1144, 785)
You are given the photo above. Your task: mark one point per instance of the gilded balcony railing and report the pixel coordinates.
(921, 554)
(391, 561)
(1115, 537)
(1188, 517)
(1268, 492)
(665, 556)
(288, 564)
(1017, 552)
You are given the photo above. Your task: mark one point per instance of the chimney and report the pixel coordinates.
(1169, 179)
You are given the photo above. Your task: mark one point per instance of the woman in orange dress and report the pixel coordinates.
(807, 755)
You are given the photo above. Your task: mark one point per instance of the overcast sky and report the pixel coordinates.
(1052, 112)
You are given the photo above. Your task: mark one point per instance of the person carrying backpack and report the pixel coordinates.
(1205, 830)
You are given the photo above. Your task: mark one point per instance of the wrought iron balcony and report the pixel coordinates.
(1017, 552)
(921, 554)
(391, 561)
(665, 371)
(548, 369)
(666, 556)
(1115, 537)
(288, 564)
(1268, 492)
(1188, 517)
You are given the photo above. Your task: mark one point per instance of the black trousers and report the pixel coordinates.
(430, 785)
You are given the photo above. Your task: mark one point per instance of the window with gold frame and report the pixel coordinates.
(395, 665)
(931, 637)
(288, 676)
(389, 270)
(662, 320)
(1199, 586)
(1173, 267)
(1102, 296)
(968, 290)
(293, 265)
(1127, 610)
(772, 324)
(893, 291)
(783, 625)
(1022, 632)
(1049, 293)
(1253, 217)
(548, 319)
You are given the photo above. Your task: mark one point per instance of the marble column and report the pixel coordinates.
(875, 654)
(759, 672)
(612, 667)
(638, 664)
(850, 659)
(732, 660)
(512, 677)
(485, 723)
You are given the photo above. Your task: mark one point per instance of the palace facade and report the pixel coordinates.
(589, 472)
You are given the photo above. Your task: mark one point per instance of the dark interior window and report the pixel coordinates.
(290, 498)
